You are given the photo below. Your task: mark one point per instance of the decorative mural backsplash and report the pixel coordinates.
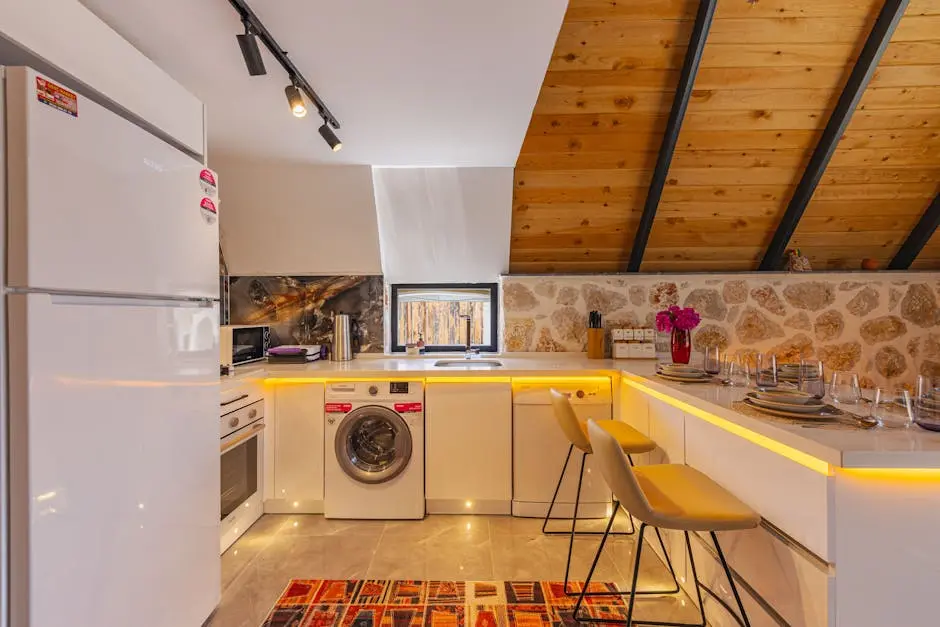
(299, 308)
(886, 327)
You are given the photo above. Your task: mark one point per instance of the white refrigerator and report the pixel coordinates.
(112, 368)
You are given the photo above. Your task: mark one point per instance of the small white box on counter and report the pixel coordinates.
(633, 350)
(620, 350)
(649, 335)
(617, 335)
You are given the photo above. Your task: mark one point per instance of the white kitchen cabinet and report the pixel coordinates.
(635, 411)
(298, 449)
(667, 429)
(468, 443)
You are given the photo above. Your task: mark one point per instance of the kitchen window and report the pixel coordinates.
(437, 313)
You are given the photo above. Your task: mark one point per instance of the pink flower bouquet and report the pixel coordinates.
(682, 318)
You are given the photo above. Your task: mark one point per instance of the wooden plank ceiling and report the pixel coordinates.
(771, 71)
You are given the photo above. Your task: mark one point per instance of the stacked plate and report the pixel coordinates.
(790, 404)
(683, 373)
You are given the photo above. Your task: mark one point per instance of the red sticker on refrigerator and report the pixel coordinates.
(56, 96)
(209, 210)
(209, 182)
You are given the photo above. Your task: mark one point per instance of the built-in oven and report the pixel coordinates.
(242, 451)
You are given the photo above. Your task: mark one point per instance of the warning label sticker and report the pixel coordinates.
(209, 210)
(209, 183)
(56, 96)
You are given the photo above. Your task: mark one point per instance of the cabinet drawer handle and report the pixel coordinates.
(234, 400)
(252, 413)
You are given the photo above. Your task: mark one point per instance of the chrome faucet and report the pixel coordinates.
(470, 350)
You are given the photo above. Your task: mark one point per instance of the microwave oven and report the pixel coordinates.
(243, 344)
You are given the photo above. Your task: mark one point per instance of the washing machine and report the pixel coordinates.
(374, 450)
(539, 448)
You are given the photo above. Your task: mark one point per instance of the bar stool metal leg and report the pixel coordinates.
(607, 593)
(551, 506)
(740, 617)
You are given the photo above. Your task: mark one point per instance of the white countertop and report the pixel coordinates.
(541, 364)
(847, 448)
(876, 448)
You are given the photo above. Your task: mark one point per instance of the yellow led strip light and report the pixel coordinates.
(804, 459)
(906, 475)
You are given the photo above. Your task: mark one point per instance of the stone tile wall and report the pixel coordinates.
(886, 326)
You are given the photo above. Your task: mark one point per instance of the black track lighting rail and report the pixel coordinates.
(248, 17)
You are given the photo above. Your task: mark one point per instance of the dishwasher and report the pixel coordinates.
(539, 450)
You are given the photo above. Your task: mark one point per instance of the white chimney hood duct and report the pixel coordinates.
(443, 225)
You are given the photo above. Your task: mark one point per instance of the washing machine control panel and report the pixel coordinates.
(398, 387)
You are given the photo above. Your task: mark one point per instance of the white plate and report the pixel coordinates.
(830, 413)
(669, 377)
(791, 397)
(681, 369)
(808, 408)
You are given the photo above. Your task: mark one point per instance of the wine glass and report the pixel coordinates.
(812, 378)
(892, 408)
(844, 388)
(712, 360)
(766, 370)
(926, 404)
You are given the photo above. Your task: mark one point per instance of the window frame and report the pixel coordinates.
(493, 288)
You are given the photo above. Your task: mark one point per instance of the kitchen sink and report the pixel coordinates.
(468, 363)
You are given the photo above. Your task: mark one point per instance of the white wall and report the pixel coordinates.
(444, 224)
(63, 35)
(297, 218)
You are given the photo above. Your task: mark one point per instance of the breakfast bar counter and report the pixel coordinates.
(848, 535)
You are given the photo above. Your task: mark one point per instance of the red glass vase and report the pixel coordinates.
(681, 346)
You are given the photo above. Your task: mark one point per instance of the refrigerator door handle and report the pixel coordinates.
(124, 301)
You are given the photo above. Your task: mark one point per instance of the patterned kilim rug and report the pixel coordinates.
(397, 603)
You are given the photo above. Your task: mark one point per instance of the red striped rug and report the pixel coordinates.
(409, 603)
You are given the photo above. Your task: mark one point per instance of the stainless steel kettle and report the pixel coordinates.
(345, 338)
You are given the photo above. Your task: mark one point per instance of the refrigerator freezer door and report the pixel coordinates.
(114, 409)
(97, 204)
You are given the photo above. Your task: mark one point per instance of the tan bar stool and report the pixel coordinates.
(629, 440)
(667, 496)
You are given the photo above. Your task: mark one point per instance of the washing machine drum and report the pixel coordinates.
(373, 444)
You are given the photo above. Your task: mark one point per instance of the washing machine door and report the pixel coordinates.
(373, 444)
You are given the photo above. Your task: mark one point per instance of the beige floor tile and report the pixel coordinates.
(258, 567)
(249, 599)
(440, 556)
(318, 557)
(315, 525)
(248, 547)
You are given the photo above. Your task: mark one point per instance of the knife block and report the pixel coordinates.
(595, 343)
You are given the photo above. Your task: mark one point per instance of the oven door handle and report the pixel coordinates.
(255, 430)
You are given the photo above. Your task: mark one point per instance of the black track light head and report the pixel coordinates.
(296, 101)
(250, 51)
(330, 137)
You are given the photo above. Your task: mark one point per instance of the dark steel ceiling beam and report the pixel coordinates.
(693, 58)
(248, 16)
(888, 18)
(918, 237)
